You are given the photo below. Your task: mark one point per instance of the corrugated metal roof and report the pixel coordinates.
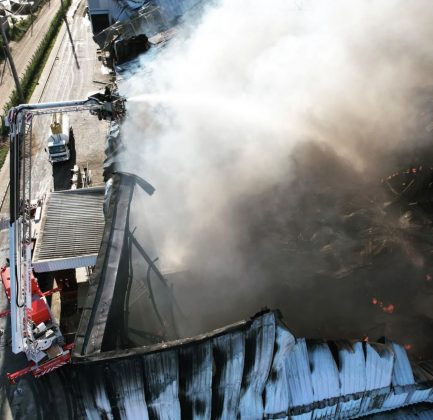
(195, 379)
(71, 230)
(131, 403)
(217, 375)
(277, 397)
(349, 409)
(402, 374)
(229, 357)
(324, 372)
(409, 413)
(259, 352)
(420, 395)
(44, 266)
(351, 361)
(100, 395)
(161, 385)
(394, 401)
(299, 375)
(306, 416)
(379, 365)
(324, 375)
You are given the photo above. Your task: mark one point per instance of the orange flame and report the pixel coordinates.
(389, 309)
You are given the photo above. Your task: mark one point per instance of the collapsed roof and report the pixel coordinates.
(254, 368)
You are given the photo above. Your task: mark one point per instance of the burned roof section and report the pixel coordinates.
(256, 369)
(105, 317)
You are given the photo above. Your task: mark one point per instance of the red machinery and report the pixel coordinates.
(42, 321)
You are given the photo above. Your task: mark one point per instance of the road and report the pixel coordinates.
(65, 82)
(23, 50)
(61, 80)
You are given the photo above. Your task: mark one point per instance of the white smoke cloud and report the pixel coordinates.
(219, 116)
(221, 110)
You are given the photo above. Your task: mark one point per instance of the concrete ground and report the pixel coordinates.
(60, 81)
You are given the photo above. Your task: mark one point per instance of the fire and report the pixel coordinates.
(389, 309)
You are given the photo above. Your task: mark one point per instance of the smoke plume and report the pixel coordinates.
(269, 131)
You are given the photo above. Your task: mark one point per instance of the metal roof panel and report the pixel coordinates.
(72, 226)
(324, 372)
(259, 351)
(379, 365)
(229, 357)
(131, 403)
(299, 375)
(349, 409)
(161, 384)
(277, 398)
(195, 376)
(402, 373)
(351, 362)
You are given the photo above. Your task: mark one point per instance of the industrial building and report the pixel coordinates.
(252, 369)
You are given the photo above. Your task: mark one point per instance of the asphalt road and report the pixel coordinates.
(60, 81)
(23, 50)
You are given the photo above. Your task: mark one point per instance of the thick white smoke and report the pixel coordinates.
(227, 113)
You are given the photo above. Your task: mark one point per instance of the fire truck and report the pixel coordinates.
(60, 138)
(35, 331)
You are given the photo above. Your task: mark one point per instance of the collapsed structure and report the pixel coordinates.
(255, 368)
(252, 369)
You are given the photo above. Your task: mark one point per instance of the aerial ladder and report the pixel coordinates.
(34, 330)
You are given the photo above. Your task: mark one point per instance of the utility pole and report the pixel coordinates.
(70, 35)
(11, 60)
(4, 65)
(3, 71)
(31, 19)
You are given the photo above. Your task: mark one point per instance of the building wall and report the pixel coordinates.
(176, 8)
(114, 11)
(119, 10)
